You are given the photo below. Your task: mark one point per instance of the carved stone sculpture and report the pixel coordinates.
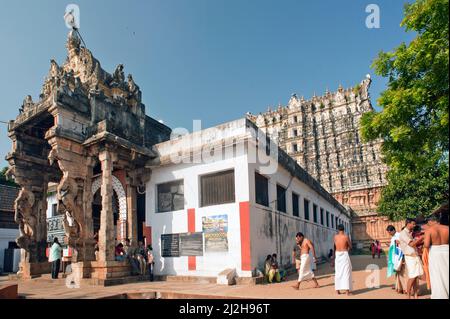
(25, 217)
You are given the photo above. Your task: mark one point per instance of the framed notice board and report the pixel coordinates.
(191, 244)
(170, 245)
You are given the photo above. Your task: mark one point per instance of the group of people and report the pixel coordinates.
(420, 252)
(417, 252)
(340, 260)
(272, 270)
(140, 257)
(375, 248)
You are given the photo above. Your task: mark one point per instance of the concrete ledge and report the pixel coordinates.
(227, 277)
(199, 279)
(8, 290)
(116, 281)
(250, 281)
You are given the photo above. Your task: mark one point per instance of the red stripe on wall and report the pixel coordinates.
(244, 213)
(192, 261)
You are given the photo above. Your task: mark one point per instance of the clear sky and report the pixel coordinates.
(212, 60)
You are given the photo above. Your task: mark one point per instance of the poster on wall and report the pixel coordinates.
(216, 242)
(191, 244)
(215, 229)
(215, 224)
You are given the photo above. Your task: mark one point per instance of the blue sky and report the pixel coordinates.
(212, 60)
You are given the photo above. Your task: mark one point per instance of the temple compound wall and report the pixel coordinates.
(222, 198)
(87, 131)
(323, 135)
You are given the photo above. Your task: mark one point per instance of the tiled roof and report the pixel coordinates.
(8, 195)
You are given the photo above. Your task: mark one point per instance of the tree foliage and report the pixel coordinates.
(5, 180)
(413, 122)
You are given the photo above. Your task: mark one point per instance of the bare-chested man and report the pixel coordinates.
(305, 272)
(341, 261)
(436, 237)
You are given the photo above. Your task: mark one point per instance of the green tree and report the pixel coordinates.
(5, 180)
(413, 122)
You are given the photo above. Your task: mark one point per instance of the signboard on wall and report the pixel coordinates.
(191, 244)
(216, 233)
(170, 245)
(216, 242)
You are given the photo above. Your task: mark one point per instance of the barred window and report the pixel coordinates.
(217, 188)
(328, 219)
(295, 210)
(281, 198)
(170, 196)
(321, 216)
(261, 189)
(315, 213)
(54, 210)
(306, 206)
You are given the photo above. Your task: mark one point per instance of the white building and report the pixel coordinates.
(9, 230)
(216, 201)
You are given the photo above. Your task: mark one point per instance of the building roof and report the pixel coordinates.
(235, 130)
(8, 195)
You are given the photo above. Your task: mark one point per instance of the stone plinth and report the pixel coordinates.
(33, 270)
(110, 269)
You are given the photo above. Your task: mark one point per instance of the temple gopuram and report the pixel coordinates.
(323, 135)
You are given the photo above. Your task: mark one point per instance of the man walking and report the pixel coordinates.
(436, 237)
(342, 262)
(305, 272)
(414, 268)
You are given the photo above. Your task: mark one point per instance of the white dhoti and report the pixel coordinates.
(343, 271)
(438, 265)
(305, 272)
(414, 266)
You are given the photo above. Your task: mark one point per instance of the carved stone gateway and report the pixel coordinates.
(85, 118)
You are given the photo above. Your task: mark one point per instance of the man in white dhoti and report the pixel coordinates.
(436, 237)
(414, 268)
(341, 262)
(305, 272)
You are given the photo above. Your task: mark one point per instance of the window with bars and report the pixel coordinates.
(54, 210)
(328, 219)
(321, 216)
(217, 188)
(261, 189)
(170, 196)
(281, 198)
(295, 206)
(306, 207)
(315, 213)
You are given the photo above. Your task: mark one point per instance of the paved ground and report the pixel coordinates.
(46, 288)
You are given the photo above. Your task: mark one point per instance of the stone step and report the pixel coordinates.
(117, 281)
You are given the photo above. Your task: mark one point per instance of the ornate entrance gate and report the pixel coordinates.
(84, 116)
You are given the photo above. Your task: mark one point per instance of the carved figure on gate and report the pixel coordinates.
(25, 217)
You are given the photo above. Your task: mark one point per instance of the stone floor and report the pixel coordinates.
(46, 288)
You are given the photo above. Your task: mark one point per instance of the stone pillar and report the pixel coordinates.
(89, 242)
(106, 232)
(132, 214)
